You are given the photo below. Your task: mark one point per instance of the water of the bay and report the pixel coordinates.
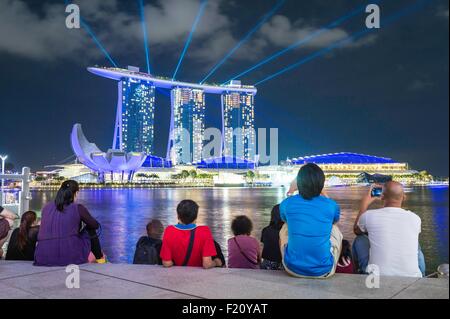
(124, 213)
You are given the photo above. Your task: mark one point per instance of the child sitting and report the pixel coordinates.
(148, 247)
(189, 244)
(243, 250)
(270, 238)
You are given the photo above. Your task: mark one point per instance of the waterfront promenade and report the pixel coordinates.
(22, 280)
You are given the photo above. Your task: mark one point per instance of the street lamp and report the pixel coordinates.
(3, 158)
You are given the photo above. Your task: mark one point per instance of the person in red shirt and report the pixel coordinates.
(187, 244)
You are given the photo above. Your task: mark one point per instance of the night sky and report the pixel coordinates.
(385, 94)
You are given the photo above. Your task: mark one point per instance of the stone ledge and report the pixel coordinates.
(124, 281)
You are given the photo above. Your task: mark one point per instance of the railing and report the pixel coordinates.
(22, 203)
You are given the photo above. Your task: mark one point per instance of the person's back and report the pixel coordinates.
(270, 238)
(394, 237)
(59, 240)
(310, 224)
(22, 243)
(243, 250)
(176, 242)
(14, 252)
(187, 244)
(147, 251)
(387, 239)
(148, 248)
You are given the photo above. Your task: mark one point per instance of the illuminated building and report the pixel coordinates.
(111, 162)
(239, 136)
(187, 125)
(353, 163)
(134, 129)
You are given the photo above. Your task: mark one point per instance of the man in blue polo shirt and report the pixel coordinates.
(310, 241)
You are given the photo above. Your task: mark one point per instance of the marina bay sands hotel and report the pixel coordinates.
(135, 120)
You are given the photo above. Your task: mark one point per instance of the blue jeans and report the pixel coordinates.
(361, 249)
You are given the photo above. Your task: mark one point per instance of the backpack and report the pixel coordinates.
(147, 252)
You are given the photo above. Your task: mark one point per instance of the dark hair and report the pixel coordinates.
(310, 181)
(155, 229)
(187, 211)
(27, 220)
(241, 225)
(66, 194)
(275, 219)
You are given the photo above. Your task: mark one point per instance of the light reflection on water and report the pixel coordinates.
(124, 213)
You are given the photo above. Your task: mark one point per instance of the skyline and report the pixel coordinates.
(356, 99)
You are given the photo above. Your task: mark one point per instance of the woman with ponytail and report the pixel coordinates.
(68, 232)
(22, 243)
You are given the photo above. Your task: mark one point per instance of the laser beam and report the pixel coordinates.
(189, 39)
(91, 33)
(389, 20)
(301, 42)
(144, 32)
(244, 39)
(97, 42)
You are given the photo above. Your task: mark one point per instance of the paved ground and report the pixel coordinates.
(23, 280)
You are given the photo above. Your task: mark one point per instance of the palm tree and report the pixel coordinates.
(185, 174)
(193, 174)
(250, 176)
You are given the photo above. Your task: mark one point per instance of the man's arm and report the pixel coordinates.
(167, 263)
(5, 213)
(8, 216)
(208, 263)
(364, 207)
(292, 188)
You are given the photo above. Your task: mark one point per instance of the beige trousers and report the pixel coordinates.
(336, 246)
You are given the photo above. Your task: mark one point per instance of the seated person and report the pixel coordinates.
(345, 263)
(391, 246)
(219, 255)
(67, 234)
(22, 242)
(6, 222)
(187, 244)
(270, 238)
(148, 247)
(310, 241)
(243, 250)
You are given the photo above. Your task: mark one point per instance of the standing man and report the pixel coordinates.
(388, 238)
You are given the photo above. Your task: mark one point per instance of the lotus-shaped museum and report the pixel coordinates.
(112, 161)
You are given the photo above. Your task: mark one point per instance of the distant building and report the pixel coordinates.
(187, 125)
(353, 163)
(239, 136)
(123, 164)
(134, 129)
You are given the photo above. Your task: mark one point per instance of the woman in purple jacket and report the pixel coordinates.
(68, 231)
